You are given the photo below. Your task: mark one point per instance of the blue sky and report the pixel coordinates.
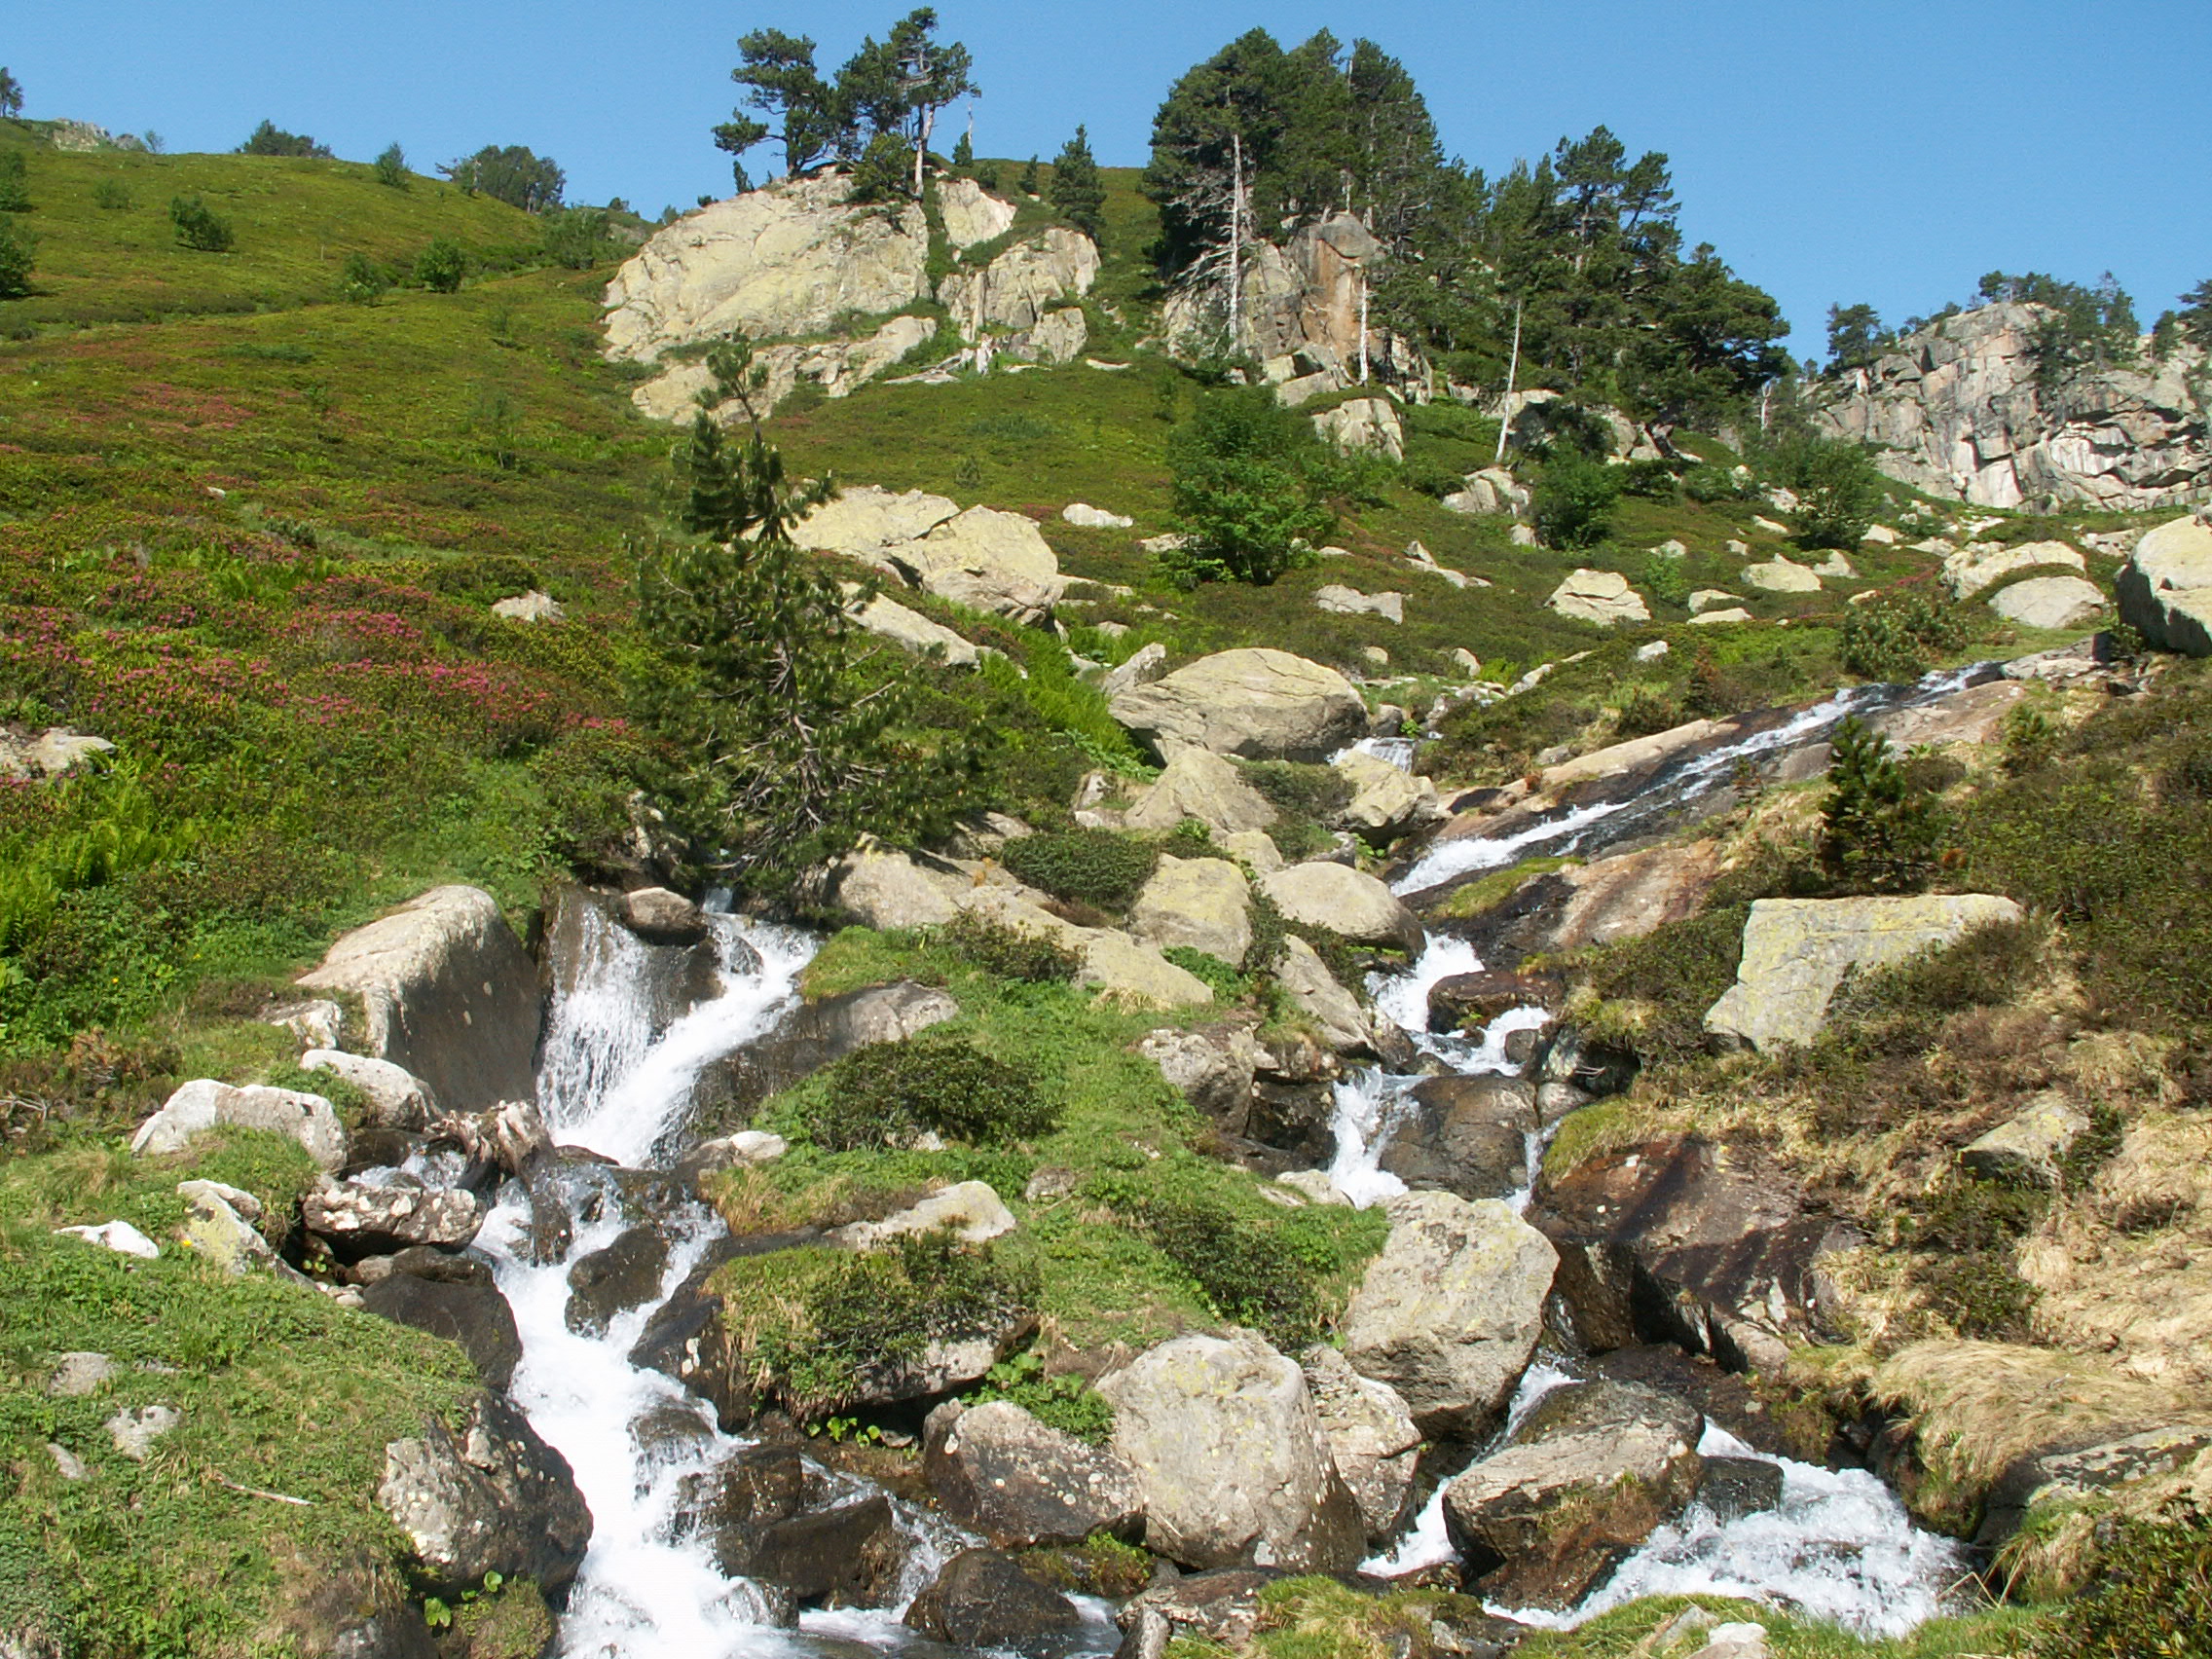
(1887, 150)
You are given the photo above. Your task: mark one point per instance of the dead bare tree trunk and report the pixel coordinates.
(1512, 372)
(1237, 243)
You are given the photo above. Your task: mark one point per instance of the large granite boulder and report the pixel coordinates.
(1307, 980)
(1199, 784)
(1449, 1312)
(1540, 1523)
(981, 558)
(890, 891)
(2051, 601)
(1782, 574)
(1135, 975)
(793, 258)
(448, 992)
(1230, 1457)
(1796, 953)
(392, 1096)
(1214, 1069)
(1000, 1472)
(1363, 425)
(1198, 903)
(493, 1497)
(911, 631)
(970, 214)
(1252, 702)
(1347, 902)
(204, 1105)
(1371, 1437)
(1387, 801)
(1978, 567)
(1602, 597)
(454, 1297)
(2166, 588)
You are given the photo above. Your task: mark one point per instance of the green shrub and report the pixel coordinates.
(1067, 1402)
(18, 257)
(1190, 839)
(1250, 1271)
(200, 227)
(1650, 481)
(1012, 952)
(441, 265)
(2150, 1596)
(579, 237)
(1301, 792)
(1896, 639)
(1984, 969)
(890, 1095)
(1103, 868)
(113, 195)
(1707, 484)
(482, 576)
(1667, 979)
(1879, 832)
(15, 191)
(1838, 488)
(1664, 581)
(1219, 977)
(1575, 497)
(392, 167)
(363, 281)
(1965, 1236)
(1250, 482)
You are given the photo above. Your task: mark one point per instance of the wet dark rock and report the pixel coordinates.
(1573, 1059)
(1783, 1427)
(672, 972)
(460, 1302)
(1721, 1254)
(685, 1340)
(812, 1036)
(849, 1556)
(1296, 1117)
(1475, 999)
(495, 1497)
(1467, 1135)
(669, 1432)
(1736, 1487)
(378, 1149)
(625, 1274)
(982, 1599)
(1221, 1606)
(1522, 1046)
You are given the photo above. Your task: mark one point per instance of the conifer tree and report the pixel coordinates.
(1079, 192)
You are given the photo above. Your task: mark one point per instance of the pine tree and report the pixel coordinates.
(1878, 832)
(780, 755)
(964, 151)
(1079, 192)
(1029, 184)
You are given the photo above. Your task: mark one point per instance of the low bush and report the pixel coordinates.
(1656, 990)
(1218, 976)
(199, 227)
(1965, 1236)
(440, 266)
(1896, 638)
(1012, 952)
(1879, 832)
(2151, 1595)
(1101, 868)
(1067, 1402)
(890, 1095)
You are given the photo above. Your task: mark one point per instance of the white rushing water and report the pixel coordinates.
(611, 1089)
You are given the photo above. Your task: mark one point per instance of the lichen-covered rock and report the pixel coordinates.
(1229, 1457)
(220, 1227)
(885, 890)
(1214, 1068)
(1449, 1312)
(1796, 953)
(1602, 597)
(204, 1105)
(1252, 702)
(1198, 903)
(970, 1210)
(1371, 1437)
(1305, 978)
(999, 1471)
(1348, 903)
(1977, 567)
(2165, 587)
(2051, 601)
(1783, 574)
(492, 1498)
(1387, 800)
(393, 1097)
(2028, 1146)
(1137, 976)
(50, 753)
(1199, 784)
(448, 992)
(970, 214)
(982, 558)
(1364, 425)
(356, 1220)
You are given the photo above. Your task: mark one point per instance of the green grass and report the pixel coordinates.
(1617, 1634)
(279, 1389)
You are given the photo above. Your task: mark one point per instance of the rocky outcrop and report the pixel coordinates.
(47, 754)
(492, 1498)
(1956, 410)
(981, 558)
(786, 260)
(1000, 1472)
(1975, 568)
(448, 992)
(1230, 1457)
(1255, 703)
(2166, 588)
(1037, 275)
(1367, 426)
(1387, 802)
(1796, 953)
(1302, 314)
(1586, 1479)
(838, 368)
(972, 215)
(1449, 1312)
(1602, 597)
(204, 1105)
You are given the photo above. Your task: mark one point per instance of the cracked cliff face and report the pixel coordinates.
(1955, 410)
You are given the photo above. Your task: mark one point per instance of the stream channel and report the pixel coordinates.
(1839, 1547)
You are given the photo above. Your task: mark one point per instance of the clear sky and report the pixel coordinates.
(1884, 150)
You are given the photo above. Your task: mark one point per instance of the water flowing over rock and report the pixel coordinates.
(791, 259)
(991, 560)
(997, 1469)
(1796, 953)
(2166, 588)
(493, 1498)
(448, 992)
(1230, 1458)
(1449, 1312)
(1956, 409)
(1255, 703)
(1464, 1135)
(204, 1105)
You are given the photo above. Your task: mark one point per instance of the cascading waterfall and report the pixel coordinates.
(1841, 1546)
